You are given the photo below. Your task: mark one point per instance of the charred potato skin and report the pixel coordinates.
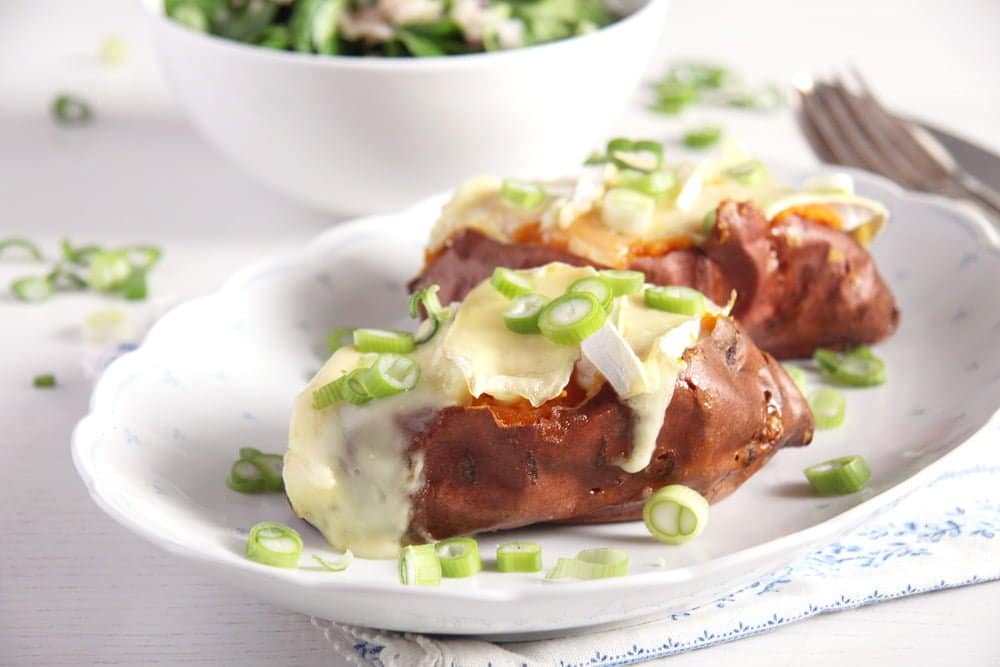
(802, 285)
(733, 408)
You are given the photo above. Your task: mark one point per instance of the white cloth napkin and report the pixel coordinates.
(942, 536)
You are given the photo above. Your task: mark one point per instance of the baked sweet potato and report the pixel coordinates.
(802, 284)
(489, 466)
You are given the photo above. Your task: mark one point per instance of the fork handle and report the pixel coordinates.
(982, 193)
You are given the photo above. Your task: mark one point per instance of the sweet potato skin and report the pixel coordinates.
(733, 408)
(802, 285)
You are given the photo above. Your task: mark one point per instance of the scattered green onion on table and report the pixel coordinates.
(44, 381)
(274, 544)
(338, 563)
(256, 472)
(419, 566)
(859, 367)
(71, 110)
(519, 557)
(459, 557)
(675, 514)
(847, 474)
(599, 563)
(828, 407)
(702, 137)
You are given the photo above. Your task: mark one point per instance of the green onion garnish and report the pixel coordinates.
(571, 318)
(338, 338)
(628, 211)
(249, 452)
(383, 340)
(113, 51)
(675, 514)
(338, 563)
(134, 287)
(592, 564)
(109, 270)
(274, 544)
(623, 282)
(459, 557)
(828, 407)
(654, 184)
(840, 476)
(510, 283)
(522, 315)
(522, 194)
(594, 285)
(675, 299)
(390, 374)
(644, 155)
(702, 137)
(436, 313)
(798, 376)
(70, 110)
(32, 289)
(327, 395)
(44, 381)
(419, 566)
(751, 172)
(708, 221)
(352, 387)
(856, 368)
(519, 557)
(245, 476)
(22, 244)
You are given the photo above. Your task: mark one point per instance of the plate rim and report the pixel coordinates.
(88, 427)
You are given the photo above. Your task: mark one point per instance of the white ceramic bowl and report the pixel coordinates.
(354, 135)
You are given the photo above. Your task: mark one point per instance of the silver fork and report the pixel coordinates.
(845, 124)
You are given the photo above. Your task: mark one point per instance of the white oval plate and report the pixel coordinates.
(220, 373)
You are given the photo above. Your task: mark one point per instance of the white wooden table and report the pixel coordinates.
(75, 588)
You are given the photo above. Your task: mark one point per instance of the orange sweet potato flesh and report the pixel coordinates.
(488, 467)
(802, 284)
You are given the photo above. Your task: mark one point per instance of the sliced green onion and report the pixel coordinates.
(246, 476)
(519, 557)
(702, 137)
(44, 381)
(271, 465)
(592, 564)
(623, 282)
(510, 283)
(675, 514)
(419, 566)
(654, 184)
(675, 299)
(31, 289)
(837, 477)
(594, 285)
(522, 315)
(134, 288)
(672, 96)
(249, 452)
(274, 544)
(751, 172)
(143, 256)
(190, 15)
(708, 221)
(427, 330)
(798, 376)
(338, 338)
(856, 368)
(109, 270)
(79, 256)
(327, 395)
(23, 244)
(428, 298)
(571, 318)
(459, 557)
(352, 387)
(113, 51)
(70, 110)
(65, 279)
(828, 407)
(383, 340)
(522, 194)
(390, 374)
(645, 156)
(338, 563)
(628, 211)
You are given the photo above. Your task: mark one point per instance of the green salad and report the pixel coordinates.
(406, 28)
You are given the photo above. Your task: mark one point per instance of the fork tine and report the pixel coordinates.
(892, 161)
(810, 131)
(899, 132)
(824, 130)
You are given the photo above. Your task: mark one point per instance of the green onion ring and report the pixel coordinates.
(592, 564)
(828, 407)
(708, 221)
(856, 368)
(459, 557)
(419, 566)
(847, 474)
(31, 289)
(383, 340)
(71, 110)
(23, 244)
(510, 283)
(274, 544)
(675, 514)
(519, 557)
(44, 381)
(623, 282)
(654, 184)
(108, 270)
(352, 387)
(247, 476)
(702, 137)
(571, 318)
(522, 194)
(338, 563)
(390, 374)
(522, 315)
(751, 172)
(797, 375)
(594, 285)
(675, 299)
(272, 466)
(249, 452)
